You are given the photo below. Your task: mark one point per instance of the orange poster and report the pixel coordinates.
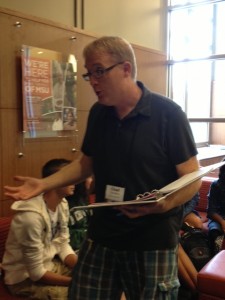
(49, 98)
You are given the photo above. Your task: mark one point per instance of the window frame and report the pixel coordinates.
(212, 58)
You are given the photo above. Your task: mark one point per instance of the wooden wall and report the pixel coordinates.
(48, 35)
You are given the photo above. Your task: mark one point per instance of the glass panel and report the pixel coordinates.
(177, 2)
(197, 31)
(188, 28)
(220, 23)
(49, 93)
(191, 87)
(185, 2)
(198, 89)
(218, 108)
(200, 132)
(191, 84)
(178, 86)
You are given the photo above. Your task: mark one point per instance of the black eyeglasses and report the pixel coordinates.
(99, 72)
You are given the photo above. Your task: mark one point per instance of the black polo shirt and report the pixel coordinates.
(138, 153)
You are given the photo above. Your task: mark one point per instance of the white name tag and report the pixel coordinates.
(114, 193)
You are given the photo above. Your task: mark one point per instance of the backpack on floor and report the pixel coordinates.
(195, 243)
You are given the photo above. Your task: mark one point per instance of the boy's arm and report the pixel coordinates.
(71, 260)
(51, 278)
(219, 219)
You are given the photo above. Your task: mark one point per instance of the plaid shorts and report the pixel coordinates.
(103, 274)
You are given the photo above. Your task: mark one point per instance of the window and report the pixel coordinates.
(196, 59)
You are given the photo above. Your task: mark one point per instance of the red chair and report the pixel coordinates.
(211, 279)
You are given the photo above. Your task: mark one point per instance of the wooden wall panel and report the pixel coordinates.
(48, 35)
(217, 135)
(10, 142)
(10, 66)
(36, 151)
(5, 207)
(151, 68)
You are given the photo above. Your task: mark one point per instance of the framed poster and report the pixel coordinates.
(49, 93)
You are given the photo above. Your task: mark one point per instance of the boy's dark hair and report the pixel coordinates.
(53, 165)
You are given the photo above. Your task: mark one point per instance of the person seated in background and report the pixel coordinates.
(187, 275)
(216, 212)
(38, 258)
(79, 218)
(187, 272)
(190, 215)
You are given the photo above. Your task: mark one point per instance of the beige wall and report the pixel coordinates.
(61, 11)
(139, 21)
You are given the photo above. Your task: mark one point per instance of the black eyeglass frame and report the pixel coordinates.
(99, 72)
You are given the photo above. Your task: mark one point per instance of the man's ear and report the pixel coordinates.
(127, 68)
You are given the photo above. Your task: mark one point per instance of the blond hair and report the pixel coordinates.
(117, 47)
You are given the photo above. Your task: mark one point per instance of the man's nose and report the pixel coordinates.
(93, 80)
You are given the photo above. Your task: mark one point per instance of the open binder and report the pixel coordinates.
(158, 195)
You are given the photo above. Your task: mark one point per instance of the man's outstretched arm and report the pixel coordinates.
(75, 172)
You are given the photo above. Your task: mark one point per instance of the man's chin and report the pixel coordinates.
(104, 101)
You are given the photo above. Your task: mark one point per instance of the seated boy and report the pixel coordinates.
(191, 216)
(38, 258)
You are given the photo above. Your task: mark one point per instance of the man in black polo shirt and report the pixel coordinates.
(135, 141)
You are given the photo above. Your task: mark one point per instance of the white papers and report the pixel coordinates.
(158, 195)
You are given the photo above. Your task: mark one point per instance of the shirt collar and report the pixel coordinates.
(143, 106)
